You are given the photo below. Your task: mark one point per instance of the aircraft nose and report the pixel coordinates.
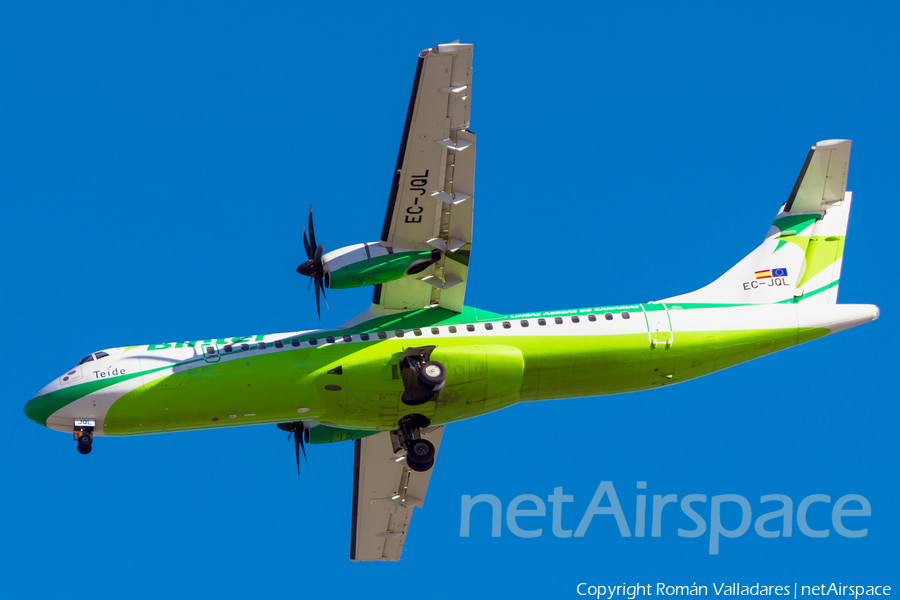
(35, 409)
(40, 407)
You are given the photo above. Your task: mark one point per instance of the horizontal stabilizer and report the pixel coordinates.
(823, 178)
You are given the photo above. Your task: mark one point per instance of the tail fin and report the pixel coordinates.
(800, 258)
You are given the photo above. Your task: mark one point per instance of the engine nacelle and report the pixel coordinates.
(370, 264)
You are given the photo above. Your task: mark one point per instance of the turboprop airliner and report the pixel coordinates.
(418, 359)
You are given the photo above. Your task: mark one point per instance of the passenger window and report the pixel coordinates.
(329, 339)
(524, 323)
(435, 331)
(348, 338)
(100, 355)
(506, 325)
(382, 335)
(399, 333)
(488, 326)
(542, 322)
(245, 347)
(608, 316)
(228, 348)
(87, 358)
(364, 337)
(576, 320)
(626, 315)
(451, 329)
(313, 341)
(592, 318)
(558, 320)
(279, 344)
(261, 345)
(470, 328)
(210, 350)
(417, 331)
(295, 342)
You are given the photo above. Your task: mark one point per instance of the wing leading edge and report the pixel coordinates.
(385, 491)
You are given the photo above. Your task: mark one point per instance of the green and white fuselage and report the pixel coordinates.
(348, 378)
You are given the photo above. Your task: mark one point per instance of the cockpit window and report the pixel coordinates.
(99, 355)
(87, 358)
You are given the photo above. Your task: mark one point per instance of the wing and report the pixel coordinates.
(384, 494)
(430, 204)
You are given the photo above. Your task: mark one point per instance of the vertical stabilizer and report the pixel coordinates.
(801, 256)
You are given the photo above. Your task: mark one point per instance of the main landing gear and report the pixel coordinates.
(420, 452)
(422, 377)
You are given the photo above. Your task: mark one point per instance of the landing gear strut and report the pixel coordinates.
(419, 451)
(85, 438)
(422, 378)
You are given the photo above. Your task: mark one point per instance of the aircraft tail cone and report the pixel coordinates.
(836, 317)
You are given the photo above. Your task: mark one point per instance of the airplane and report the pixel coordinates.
(418, 359)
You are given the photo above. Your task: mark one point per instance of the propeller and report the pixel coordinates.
(298, 430)
(314, 267)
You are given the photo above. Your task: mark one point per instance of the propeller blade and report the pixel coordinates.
(297, 452)
(306, 245)
(300, 434)
(314, 268)
(312, 233)
(323, 296)
(298, 430)
(318, 308)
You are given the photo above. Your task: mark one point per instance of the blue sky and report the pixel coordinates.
(157, 163)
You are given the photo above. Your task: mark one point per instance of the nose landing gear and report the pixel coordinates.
(84, 435)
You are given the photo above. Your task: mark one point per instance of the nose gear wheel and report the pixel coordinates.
(85, 438)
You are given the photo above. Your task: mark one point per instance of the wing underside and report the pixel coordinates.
(431, 199)
(385, 491)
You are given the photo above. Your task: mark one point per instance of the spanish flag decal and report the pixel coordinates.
(769, 273)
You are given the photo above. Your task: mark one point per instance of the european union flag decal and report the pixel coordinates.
(779, 272)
